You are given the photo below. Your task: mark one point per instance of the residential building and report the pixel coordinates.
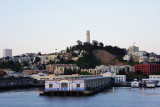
(2, 73)
(114, 68)
(66, 56)
(92, 71)
(152, 55)
(154, 59)
(143, 59)
(109, 74)
(102, 68)
(52, 57)
(147, 68)
(31, 72)
(127, 57)
(133, 49)
(141, 53)
(8, 71)
(60, 68)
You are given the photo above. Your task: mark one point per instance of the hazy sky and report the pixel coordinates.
(46, 25)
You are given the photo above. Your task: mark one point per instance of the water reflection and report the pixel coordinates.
(115, 97)
(112, 88)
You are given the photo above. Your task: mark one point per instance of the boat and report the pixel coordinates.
(135, 84)
(150, 84)
(158, 84)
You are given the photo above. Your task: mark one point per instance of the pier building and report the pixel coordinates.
(11, 82)
(81, 84)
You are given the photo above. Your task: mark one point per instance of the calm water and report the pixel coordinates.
(113, 97)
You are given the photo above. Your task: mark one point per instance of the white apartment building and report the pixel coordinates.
(133, 49)
(120, 78)
(127, 57)
(154, 76)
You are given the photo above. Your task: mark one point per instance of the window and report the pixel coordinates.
(64, 85)
(78, 85)
(50, 85)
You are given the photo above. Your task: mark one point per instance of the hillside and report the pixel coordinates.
(97, 54)
(105, 57)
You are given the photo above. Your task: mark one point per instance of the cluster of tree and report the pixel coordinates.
(130, 76)
(122, 72)
(69, 71)
(11, 65)
(37, 59)
(95, 45)
(62, 61)
(87, 61)
(156, 73)
(85, 73)
(41, 66)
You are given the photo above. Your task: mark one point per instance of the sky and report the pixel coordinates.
(45, 25)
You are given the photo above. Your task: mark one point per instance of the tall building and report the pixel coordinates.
(7, 52)
(88, 36)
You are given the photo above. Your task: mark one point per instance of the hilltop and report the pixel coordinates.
(97, 54)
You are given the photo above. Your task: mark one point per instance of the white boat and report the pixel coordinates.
(135, 83)
(150, 84)
(158, 84)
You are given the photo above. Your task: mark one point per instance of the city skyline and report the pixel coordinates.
(44, 26)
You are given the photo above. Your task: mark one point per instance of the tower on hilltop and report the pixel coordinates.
(88, 36)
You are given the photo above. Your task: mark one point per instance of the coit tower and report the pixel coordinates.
(88, 36)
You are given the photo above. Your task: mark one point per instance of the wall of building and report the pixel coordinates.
(76, 84)
(120, 78)
(147, 68)
(64, 85)
(154, 76)
(15, 82)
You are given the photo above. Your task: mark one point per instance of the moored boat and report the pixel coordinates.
(150, 84)
(135, 84)
(158, 84)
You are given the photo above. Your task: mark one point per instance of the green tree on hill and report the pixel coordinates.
(39, 53)
(101, 45)
(67, 50)
(85, 73)
(87, 61)
(37, 59)
(122, 72)
(79, 42)
(95, 43)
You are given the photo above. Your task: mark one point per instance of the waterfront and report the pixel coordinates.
(113, 97)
